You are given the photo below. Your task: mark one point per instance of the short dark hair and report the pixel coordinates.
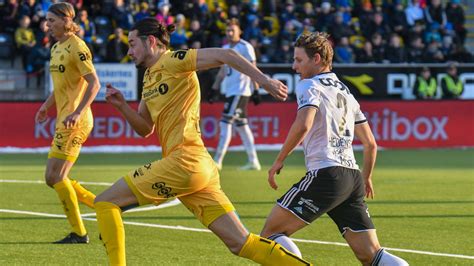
(151, 26)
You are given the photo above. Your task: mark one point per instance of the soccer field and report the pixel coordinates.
(423, 211)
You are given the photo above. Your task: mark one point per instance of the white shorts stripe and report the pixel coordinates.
(289, 196)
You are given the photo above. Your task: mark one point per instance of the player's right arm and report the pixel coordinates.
(140, 121)
(364, 134)
(42, 113)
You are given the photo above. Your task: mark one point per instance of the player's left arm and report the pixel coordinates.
(298, 131)
(214, 57)
(89, 96)
(364, 134)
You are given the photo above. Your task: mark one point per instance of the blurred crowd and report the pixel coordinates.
(362, 31)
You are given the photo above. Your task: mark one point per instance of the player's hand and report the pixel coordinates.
(42, 114)
(275, 169)
(114, 96)
(71, 120)
(276, 89)
(256, 98)
(369, 189)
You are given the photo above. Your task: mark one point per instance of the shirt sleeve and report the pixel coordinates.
(83, 59)
(307, 94)
(359, 116)
(181, 61)
(250, 53)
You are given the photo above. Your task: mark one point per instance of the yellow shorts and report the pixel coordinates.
(67, 143)
(193, 179)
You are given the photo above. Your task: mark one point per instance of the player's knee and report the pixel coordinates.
(364, 257)
(51, 179)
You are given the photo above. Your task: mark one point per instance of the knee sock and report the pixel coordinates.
(224, 140)
(248, 141)
(383, 258)
(112, 231)
(68, 198)
(83, 195)
(267, 252)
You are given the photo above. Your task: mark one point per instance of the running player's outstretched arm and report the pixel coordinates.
(92, 89)
(140, 121)
(364, 134)
(301, 126)
(214, 57)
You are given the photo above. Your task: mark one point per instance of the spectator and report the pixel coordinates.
(395, 52)
(117, 47)
(144, 12)
(398, 20)
(343, 52)
(434, 13)
(378, 25)
(324, 18)
(253, 30)
(179, 38)
(447, 45)
(88, 26)
(414, 12)
(455, 16)
(451, 86)
(433, 35)
(339, 29)
(365, 55)
(425, 85)
(8, 16)
(28, 8)
(196, 33)
(163, 15)
(415, 51)
(378, 48)
(460, 54)
(25, 39)
(433, 54)
(40, 53)
(284, 54)
(122, 15)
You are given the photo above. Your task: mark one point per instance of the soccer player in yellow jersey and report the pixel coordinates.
(75, 87)
(170, 105)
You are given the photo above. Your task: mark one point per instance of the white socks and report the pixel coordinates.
(249, 143)
(224, 139)
(383, 258)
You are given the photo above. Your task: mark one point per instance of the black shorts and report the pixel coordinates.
(337, 191)
(235, 110)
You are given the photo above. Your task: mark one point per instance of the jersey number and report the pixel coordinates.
(342, 104)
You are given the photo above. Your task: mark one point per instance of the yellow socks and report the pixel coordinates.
(68, 198)
(83, 195)
(111, 231)
(268, 252)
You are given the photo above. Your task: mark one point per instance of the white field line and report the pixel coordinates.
(184, 228)
(177, 202)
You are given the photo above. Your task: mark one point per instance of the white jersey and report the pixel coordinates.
(329, 141)
(236, 83)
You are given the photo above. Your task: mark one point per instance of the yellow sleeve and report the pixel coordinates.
(83, 59)
(182, 61)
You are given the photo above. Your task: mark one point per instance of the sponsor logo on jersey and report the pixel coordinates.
(162, 89)
(57, 68)
(138, 172)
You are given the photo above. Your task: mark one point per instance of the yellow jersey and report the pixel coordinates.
(172, 95)
(69, 62)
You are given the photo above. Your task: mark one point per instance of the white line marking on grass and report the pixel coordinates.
(184, 228)
(42, 182)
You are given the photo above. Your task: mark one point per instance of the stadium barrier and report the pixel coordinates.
(396, 124)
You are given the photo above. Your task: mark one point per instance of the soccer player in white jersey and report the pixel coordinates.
(327, 120)
(238, 89)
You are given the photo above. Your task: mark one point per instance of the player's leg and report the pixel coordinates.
(108, 208)
(354, 222)
(83, 195)
(366, 247)
(212, 207)
(242, 127)
(56, 174)
(261, 250)
(225, 127)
